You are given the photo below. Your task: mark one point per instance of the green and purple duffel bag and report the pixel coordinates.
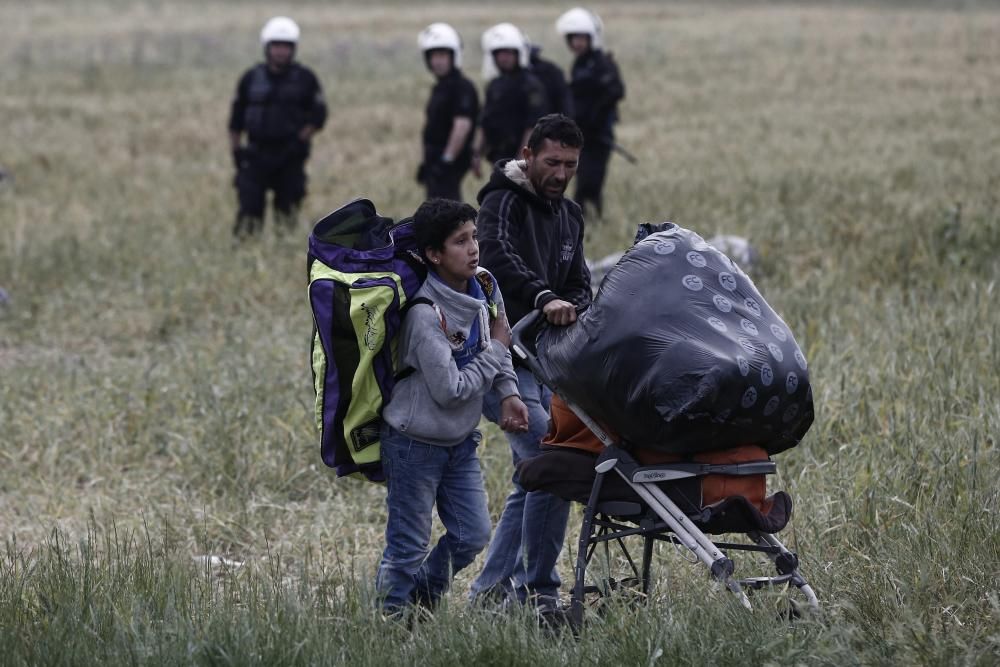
(363, 271)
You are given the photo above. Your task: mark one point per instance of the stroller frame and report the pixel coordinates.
(661, 519)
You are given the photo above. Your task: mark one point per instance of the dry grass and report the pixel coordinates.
(152, 375)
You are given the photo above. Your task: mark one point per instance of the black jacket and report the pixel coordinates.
(534, 246)
(453, 96)
(273, 107)
(514, 103)
(597, 88)
(556, 88)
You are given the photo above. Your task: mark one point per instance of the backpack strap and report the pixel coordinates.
(417, 301)
(423, 300)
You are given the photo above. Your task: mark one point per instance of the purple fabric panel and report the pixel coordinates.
(350, 260)
(402, 236)
(321, 298)
(373, 472)
(411, 281)
(403, 241)
(370, 261)
(345, 469)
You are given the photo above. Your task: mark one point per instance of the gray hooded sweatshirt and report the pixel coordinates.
(439, 403)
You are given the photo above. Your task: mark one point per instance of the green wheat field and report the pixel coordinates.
(155, 392)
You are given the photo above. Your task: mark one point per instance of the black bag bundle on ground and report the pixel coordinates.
(680, 353)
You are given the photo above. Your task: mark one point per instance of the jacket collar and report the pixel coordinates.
(514, 171)
(510, 174)
(464, 305)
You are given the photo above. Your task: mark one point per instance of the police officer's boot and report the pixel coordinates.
(286, 222)
(247, 226)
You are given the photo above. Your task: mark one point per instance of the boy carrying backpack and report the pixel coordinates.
(455, 338)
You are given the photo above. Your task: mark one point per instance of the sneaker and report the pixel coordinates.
(495, 598)
(553, 619)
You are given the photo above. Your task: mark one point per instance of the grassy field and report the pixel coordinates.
(155, 397)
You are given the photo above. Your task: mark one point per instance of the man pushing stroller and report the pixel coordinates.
(531, 239)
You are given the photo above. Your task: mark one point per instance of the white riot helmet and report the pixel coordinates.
(503, 36)
(579, 21)
(441, 36)
(279, 29)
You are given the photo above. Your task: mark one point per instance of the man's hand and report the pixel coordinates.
(241, 157)
(513, 415)
(436, 170)
(559, 312)
(236, 149)
(500, 329)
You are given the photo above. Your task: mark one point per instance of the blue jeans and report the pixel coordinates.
(419, 475)
(521, 560)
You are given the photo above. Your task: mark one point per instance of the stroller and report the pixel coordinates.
(661, 502)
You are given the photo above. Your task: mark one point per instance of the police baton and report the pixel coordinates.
(621, 150)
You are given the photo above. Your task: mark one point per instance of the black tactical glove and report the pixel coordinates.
(437, 170)
(239, 157)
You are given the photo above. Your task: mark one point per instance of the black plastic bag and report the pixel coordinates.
(680, 353)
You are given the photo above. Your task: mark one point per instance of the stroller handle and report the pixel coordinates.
(523, 337)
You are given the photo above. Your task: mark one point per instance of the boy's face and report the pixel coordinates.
(457, 262)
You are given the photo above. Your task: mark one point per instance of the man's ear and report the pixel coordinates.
(526, 153)
(433, 255)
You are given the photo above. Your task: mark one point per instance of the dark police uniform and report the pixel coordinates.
(514, 103)
(453, 96)
(552, 78)
(597, 87)
(272, 108)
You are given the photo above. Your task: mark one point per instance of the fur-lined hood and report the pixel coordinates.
(514, 170)
(510, 175)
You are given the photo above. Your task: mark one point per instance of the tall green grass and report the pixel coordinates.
(155, 399)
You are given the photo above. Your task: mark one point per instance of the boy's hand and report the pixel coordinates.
(500, 329)
(513, 415)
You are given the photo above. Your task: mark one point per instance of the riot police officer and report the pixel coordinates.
(556, 89)
(597, 88)
(279, 106)
(452, 112)
(515, 98)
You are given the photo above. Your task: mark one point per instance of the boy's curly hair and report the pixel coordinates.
(436, 219)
